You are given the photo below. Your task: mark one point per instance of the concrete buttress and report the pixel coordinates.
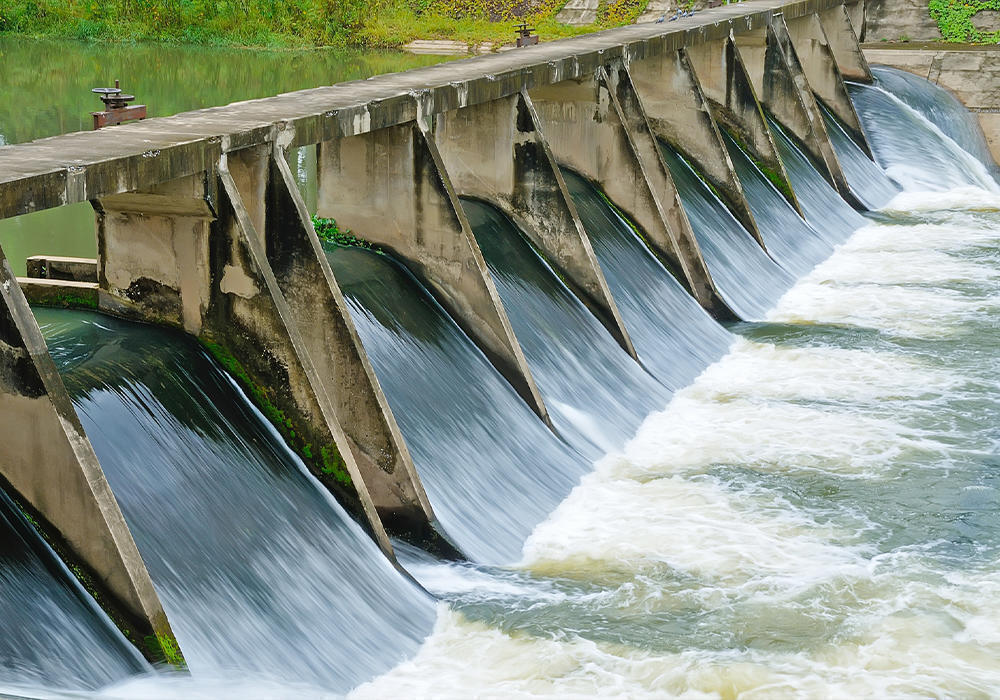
(737, 109)
(589, 131)
(48, 462)
(844, 39)
(785, 93)
(390, 188)
(496, 151)
(320, 313)
(680, 114)
(821, 69)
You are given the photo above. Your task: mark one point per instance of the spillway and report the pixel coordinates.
(491, 468)
(916, 151)
(595, 393)
(263, 575)
(792, 241)
(824, 209)
(53, 634)
(868, 182)
(747, 278)
(815, 516)
(674, 337)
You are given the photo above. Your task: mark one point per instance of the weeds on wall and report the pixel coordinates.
(954, 19)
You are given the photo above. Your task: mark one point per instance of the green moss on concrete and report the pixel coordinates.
(163, 648)
(329, 232)
(334, 465)
(66, 300)
(774, 176)
(331, 462)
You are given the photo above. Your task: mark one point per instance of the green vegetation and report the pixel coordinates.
(68, 300)
(954, 19)
(164, 647)
(329, 232)
(331, 462)
(298, 23)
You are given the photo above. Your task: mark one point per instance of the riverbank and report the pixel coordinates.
(300, 23)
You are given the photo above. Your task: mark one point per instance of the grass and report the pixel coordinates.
(954, 19)
(299, 23)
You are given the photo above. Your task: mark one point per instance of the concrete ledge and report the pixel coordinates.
(62, 268)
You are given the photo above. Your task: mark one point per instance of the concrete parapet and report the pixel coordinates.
(823, 73)
(587, 128)
(844, 37)
(737, 108)
(62, 268)
(47, 460)
(152, 250)
(390, 188)
(784, 90)
(496, 152)
(680, 114)
(320, 313)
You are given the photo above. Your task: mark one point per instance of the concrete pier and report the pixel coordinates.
(49, 464)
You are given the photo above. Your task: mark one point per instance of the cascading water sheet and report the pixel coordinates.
(674, 337)
(267, 582)
(825, 210)
(491, 468)
(939, 107)
(749, 280)
(914, 150)
(595, 393)
(52, 634)
(867, 180)
(792, 242)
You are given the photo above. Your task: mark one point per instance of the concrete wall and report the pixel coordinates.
(588, 131)
(898, 20)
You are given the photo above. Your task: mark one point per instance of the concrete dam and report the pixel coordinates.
(654, 362)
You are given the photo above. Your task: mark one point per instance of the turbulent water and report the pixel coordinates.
(745, 276)
(674, 337)
(595, 393)
(815, 516)
(788, 238)
(491, 468)
(266, 581)
(53, 633)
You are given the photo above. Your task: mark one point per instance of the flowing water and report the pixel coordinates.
(491, 468)
(53, 633)
(674, 337)
(936, 105)
(748, 280)
(265, 579)
(824, 209)
(595, 393)
(815, 516)
(868, 182)
(792, 242)
(920, 146)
